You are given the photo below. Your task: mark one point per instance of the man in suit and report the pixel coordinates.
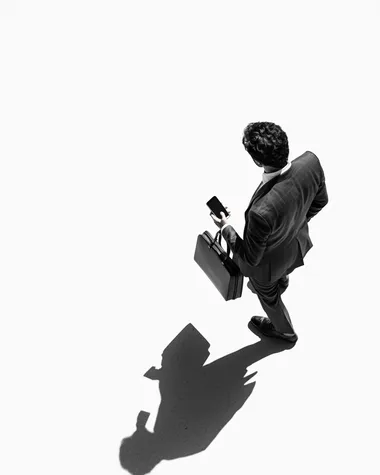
(276, 234)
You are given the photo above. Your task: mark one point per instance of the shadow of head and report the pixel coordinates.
(139, 453)
(197, 399)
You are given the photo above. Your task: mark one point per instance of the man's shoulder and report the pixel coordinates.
(304, 164)
(306, 157)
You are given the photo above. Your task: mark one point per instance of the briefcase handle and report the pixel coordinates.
(218, 237)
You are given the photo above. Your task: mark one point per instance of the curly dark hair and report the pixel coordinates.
(267, 143)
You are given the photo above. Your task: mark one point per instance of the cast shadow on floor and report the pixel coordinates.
(197, 400)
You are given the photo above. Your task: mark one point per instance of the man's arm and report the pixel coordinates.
(251, 249)
(321, 199)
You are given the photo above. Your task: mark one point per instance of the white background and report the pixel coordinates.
(118, 121)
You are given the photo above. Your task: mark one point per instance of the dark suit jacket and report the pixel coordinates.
(276, 233)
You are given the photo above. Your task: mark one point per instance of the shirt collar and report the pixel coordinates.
(268, 176)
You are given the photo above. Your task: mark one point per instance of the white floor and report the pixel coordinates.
(117, 127)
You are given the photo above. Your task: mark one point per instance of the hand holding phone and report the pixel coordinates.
(216, 207)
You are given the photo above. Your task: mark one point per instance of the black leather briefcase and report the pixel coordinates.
(216, 263)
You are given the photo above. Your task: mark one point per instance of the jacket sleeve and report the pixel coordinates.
(251, 249)
(321, 199)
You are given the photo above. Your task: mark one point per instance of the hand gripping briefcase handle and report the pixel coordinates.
(218, 238)
(216, 263)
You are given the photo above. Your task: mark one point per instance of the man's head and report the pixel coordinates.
(267, 144)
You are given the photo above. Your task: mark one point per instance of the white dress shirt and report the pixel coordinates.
(266, 177)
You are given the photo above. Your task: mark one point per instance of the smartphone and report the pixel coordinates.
(216, 207)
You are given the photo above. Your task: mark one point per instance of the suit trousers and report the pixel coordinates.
(269, 295)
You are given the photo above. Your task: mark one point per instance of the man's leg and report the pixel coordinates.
(283, 284)
(270, 299)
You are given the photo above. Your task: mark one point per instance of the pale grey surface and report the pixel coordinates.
(105, 119)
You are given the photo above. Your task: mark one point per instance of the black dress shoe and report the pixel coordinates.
(265, 326)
